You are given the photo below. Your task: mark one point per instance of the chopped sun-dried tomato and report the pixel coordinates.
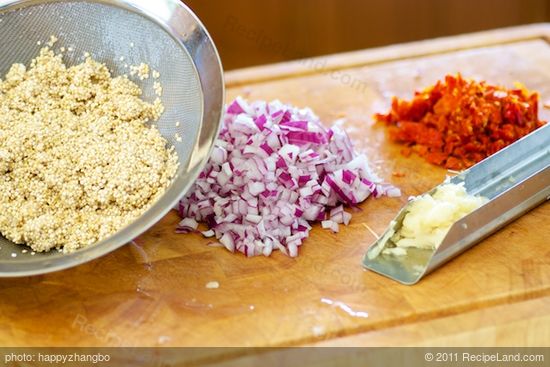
(458, 122)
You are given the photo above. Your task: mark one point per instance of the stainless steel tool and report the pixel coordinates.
(515, 180)
(164, 34)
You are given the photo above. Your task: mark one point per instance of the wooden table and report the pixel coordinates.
(152, 292)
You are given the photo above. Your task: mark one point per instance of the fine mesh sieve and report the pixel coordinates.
(164, 34)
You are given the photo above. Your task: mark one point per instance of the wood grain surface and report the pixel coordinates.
(152, 292)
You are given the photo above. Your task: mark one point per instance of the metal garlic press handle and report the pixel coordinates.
(515, 180)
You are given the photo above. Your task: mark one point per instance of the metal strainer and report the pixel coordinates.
(162, 33)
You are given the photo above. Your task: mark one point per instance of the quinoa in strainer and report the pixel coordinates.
(78, 160)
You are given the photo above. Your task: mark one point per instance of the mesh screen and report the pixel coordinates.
(109, 33)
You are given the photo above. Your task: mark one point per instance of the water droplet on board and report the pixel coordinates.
(212, 285)
(143, 292)
(342, 306)
(163, 339)
(318, 330)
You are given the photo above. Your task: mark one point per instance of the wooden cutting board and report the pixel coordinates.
(152, 292)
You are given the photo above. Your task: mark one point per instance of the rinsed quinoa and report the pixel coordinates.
(141, 70)
(77, 159)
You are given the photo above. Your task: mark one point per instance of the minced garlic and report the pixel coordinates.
(429, 218)
(77, 160)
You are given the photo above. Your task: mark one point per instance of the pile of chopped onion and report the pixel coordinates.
(274, 169)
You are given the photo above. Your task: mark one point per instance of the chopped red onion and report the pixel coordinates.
(209, 233)
(274, 169)
(187, 225)
(329, 224)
